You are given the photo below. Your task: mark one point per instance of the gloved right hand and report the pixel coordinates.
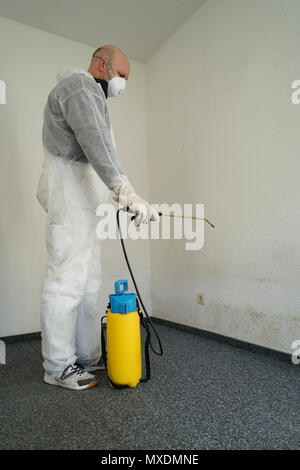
(143, 211)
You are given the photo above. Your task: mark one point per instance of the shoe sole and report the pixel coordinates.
(94, 369)
(48, 380)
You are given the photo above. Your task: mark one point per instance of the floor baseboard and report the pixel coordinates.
(23, 337)
(281, 356)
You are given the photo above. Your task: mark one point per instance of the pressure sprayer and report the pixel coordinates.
(122, 354)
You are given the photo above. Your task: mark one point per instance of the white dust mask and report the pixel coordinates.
(116, 86)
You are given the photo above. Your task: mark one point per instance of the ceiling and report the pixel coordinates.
(138, 27)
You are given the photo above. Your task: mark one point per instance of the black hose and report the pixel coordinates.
(136, 288)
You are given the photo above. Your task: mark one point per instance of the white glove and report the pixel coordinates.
(143, 211)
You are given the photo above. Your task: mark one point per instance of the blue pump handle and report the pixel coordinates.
(118, 284)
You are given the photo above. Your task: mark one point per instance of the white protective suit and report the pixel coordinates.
(79, 147)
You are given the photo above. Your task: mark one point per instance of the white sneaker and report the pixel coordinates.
(99, 366)
(74, 377)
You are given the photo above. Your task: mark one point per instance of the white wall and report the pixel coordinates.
(29, 62)
(222, 131)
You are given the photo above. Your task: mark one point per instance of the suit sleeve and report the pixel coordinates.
(84, 113)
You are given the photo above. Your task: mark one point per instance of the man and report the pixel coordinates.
(79, 148)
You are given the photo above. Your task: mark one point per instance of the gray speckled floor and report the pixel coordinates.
(203, 395)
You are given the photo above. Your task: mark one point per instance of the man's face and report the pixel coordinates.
(120, 65)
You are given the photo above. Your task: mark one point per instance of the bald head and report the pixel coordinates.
(109, 51)
(109, 56)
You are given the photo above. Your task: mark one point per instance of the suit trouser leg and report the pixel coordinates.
(88, 334)
(70, 247)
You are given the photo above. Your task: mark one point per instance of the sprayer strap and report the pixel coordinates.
(147, 343)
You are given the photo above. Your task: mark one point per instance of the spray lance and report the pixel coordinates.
(181, 216)
(122, 355)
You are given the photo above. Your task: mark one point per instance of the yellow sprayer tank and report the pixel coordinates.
(124, 361)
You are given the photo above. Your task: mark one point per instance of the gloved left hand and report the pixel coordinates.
(143, 211)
